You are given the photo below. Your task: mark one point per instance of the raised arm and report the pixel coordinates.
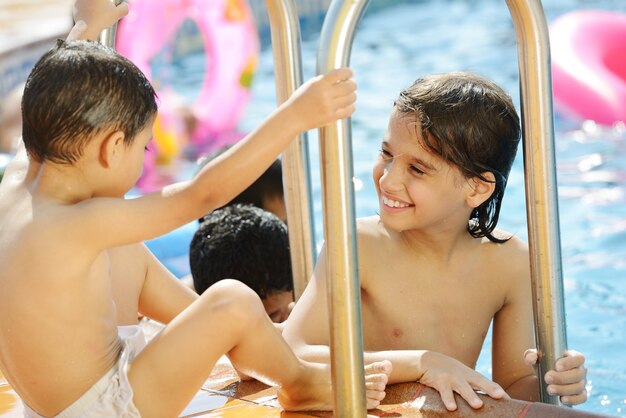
(307, 333)
(91, 17)
(142, 284)
(113, 221)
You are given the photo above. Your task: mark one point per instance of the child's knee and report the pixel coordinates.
(235, 301)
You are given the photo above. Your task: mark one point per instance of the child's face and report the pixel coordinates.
(278, 305)
(416, 189)
(134, 159)
(276, 205)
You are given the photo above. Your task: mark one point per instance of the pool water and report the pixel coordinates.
(395, 45)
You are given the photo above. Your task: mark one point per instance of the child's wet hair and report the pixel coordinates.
(268, 185)
(77, 90)
(472, 123)
(242, 242)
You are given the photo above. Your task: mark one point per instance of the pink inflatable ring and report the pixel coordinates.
(231, 46)
(589, 65)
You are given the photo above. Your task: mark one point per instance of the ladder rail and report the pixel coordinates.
(344, 289)
(287, 51)
(540, 182)
(541, 186)
(107, 36)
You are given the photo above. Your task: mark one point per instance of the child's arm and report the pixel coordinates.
(307, 332)
(142, 284)
(91, 17)
(163, 296)
(110, 222)
(513, 334)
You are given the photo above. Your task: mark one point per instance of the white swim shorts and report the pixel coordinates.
(112, 395)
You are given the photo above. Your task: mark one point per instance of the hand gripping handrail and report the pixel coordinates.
(541, 187)
(339, 222)
(541, 195)
(107, 37)
(286, 45)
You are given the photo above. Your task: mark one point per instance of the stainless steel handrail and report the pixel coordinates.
(286, 45)
(339, 223)
(107, 37)
(541, 187)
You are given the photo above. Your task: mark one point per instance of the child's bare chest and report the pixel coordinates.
(424, 311)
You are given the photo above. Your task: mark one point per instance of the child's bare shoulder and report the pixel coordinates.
(370, 230)
(375, 241)
(510, 256)
(511, 242)
(368, 224)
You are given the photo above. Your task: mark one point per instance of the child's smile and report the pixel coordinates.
(392, 204)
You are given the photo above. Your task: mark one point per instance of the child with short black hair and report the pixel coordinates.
(249, 244)
(266, 192)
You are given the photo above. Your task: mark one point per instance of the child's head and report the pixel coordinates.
(471, 123)
(266, 192)
(79, 89)
(249, 244)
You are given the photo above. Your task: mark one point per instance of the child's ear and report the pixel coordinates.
(111, 148)
(480, 190)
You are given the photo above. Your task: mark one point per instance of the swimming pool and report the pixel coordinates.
(395, 45)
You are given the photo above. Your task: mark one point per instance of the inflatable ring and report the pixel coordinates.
(589, 65)
(231, 45)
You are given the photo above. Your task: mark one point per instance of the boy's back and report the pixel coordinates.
(57, 317)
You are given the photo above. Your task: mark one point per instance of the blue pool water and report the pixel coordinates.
(395, 45)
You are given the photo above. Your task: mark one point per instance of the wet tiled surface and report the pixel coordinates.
(225, 395)
(256, 399)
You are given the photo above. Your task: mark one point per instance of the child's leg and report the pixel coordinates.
(229, 319)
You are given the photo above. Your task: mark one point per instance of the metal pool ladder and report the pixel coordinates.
(541, 197)
(338, 193)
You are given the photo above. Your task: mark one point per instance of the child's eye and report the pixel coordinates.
(416, 170)
(385, 154)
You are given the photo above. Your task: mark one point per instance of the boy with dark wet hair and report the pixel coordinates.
(69, 340)
(456, 116)
(266, 192)
(249, 244)
(434, 271)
